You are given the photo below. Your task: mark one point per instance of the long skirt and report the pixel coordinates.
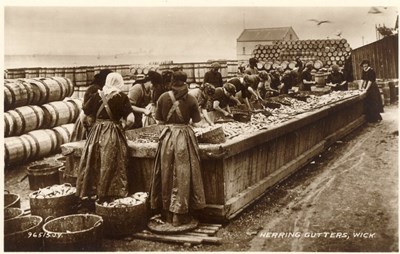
(177, 184)
(373, 104)
(79, 131)
(102, 169)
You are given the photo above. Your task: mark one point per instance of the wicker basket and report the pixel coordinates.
(213, 136)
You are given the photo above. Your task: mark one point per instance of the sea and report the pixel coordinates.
(30, 61)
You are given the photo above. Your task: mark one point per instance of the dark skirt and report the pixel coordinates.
(102, 169)
(79, 131)
(177, 184)
(373, 104)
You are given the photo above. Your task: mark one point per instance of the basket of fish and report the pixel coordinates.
(123, 216)
(54, 201)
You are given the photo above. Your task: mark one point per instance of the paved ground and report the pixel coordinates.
(346, 200)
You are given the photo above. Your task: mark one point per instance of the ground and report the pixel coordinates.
(345, 200)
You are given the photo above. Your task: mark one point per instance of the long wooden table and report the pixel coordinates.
(238, 172)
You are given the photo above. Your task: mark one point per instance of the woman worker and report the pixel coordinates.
(264, 88)
(82, 123)
(177, 186)
(336, 79)
(102, 168)
(373, 102)
(143, 95)
(223, 98)
(203, 96)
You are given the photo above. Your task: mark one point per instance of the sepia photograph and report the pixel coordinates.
(153, 126)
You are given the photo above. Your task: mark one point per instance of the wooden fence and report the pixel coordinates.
(382, 54)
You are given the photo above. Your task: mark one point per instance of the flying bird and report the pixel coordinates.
(319, 22)
(374, 10)
(339, 33)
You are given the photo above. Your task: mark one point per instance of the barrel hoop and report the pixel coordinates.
(23, 124)
(37, 117)
(14, 120)
(57, 118)
(28, 89)
(64, 93)
(13, 99)
(7, 125)
(45, 87)
(36, 144)
(70, 87)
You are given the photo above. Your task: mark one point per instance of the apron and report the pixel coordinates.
(177, 184)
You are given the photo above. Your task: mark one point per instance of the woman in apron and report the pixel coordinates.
(102, 168)
(373, 102)
(82, 123)
(177, 186)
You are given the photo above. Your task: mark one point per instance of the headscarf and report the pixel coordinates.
(179, 86)
(114, 83)
(264, 76)
(230, 88)
(208, 89)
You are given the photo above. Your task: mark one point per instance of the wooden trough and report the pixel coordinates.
(239, 171)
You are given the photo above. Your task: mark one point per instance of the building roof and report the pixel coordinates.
(265, 34)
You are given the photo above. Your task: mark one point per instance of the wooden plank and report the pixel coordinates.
(206, 239)
(238, 203)
(208, 227)
(169, 238)
(204, 231)
(211, 225)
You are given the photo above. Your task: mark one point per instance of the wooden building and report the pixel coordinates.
(249, 38)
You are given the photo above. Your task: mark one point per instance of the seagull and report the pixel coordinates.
(319, 22)
(339, 33)
(374, 10)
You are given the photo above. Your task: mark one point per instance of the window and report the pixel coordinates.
(244, 50)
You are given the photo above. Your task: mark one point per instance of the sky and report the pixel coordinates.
(172, 30)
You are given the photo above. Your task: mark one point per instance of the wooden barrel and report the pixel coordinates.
(232, 67)
(200, 70)
(22, 120)
(42, 72)
(320, 79)
(79, 232)
(59, 72)
(63, 133)
(17, 93)
(89, 74)
(42, 143)
(393, 91)
(268, 66)
(15, 73)
(139, 70)
(53, 206)
(50, 89)
(12, 212)
(79, 92)
(188, 68)
(32, 72)
(80, 76)
(69, 73)
(50, 72)
(58, 113)
(19, 234)
(42, 175)
(17, 150)
(386, 93)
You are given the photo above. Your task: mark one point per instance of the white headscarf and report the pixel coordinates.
(114, 82)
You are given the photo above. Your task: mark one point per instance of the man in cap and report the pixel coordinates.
(213, 76)
(336, 79)
(223, 98)
(306, 78)
(177, 186)
(252, 69)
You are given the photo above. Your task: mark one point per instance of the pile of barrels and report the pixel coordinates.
(323, 53)
(38, 118)
(196, 71)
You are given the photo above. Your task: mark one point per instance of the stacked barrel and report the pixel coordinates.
(38, 118)
(322, 53)
(197, 70)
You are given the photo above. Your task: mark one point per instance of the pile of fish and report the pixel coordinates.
(133, 200)
(54, 191)
(290, 107)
